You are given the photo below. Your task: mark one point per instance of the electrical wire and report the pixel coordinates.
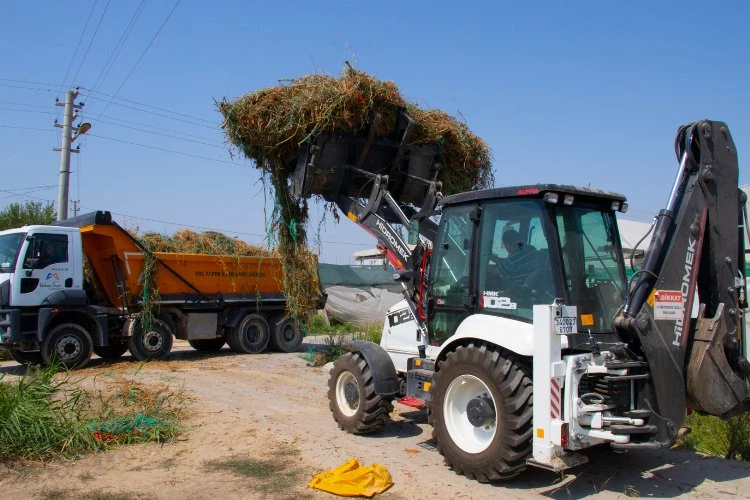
(27, 128)
(214, 125)
(170, 151)
(193, 141)
(149, 126)
(78, 46)
(131, 101)
(100, 79)
(91, 42)
(127, 77)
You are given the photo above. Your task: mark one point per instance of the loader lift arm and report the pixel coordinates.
(697, 247)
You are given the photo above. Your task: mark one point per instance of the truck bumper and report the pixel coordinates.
(10, 326)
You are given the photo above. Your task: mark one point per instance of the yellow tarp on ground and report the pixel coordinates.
(353, 480)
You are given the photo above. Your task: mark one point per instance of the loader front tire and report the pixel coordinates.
(481, 412)
(352, 399)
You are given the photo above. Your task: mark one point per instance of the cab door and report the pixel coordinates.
(451, 297)
(45, 267)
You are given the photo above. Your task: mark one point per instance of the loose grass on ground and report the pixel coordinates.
(46, 415)
(274, 475)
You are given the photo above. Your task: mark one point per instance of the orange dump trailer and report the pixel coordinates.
(88, 286)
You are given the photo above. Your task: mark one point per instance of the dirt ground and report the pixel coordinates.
(272, 408)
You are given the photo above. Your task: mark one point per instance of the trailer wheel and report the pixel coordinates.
(155, 343)
(352, 399)
(207, 345)
(112, 351)
(286, 335)
(68, 344)
(250, 336)
(26, 357)
(481, 413)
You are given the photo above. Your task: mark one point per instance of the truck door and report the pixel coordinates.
(46, 267)
(450, 289)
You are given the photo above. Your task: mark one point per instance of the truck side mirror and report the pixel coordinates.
(413, 232)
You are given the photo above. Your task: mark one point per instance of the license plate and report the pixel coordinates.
(565, 326)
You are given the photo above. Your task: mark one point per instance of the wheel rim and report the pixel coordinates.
(288, 333)
(152, 341)
(347, 394)
(69, 347)
(460, 414)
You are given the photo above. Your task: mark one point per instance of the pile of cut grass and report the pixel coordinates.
(206, 243)
(271, 124)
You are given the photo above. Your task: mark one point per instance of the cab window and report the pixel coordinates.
(45, 250)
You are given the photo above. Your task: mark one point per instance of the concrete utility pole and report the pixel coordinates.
(65, 150)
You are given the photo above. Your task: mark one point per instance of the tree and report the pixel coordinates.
(31, 212)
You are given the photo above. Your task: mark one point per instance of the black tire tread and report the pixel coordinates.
(512, 379)
(207, 345)
(376, 409)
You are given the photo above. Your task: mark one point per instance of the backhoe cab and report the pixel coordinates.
(519, 329)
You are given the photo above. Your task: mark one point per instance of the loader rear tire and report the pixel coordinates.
(352, 399)
(481, 412)
(250, 336)
(286, 335)
(154, 343)
(207, 345)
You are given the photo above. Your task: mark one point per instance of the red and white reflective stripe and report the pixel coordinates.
(554, 392)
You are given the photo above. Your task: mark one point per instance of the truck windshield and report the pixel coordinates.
(9, 247)
(593, 265)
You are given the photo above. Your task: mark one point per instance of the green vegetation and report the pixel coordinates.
(713, 436)
(339, 337)
(273, 475)
(39, 418)
(31, 212)
(44, 416)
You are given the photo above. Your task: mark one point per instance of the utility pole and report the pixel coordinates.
(65, 149)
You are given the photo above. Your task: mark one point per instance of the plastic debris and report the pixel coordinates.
(353, 480)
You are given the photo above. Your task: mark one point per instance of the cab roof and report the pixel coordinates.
(533, 191)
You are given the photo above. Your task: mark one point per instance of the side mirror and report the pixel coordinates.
(413, 232)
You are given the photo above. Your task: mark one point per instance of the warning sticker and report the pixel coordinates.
(668, 305)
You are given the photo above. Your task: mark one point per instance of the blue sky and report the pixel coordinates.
(585, 93)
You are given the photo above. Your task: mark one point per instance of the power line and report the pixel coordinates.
(78, 45)
(10, 103)
(44, 188)
(193, 141)
(142, 54)
(91, 42)
(213, 127)
(27, 111)
(26, 87)
(169, 151)
(99, 82)
(184, 134)
(27, 128)
(113, 97)
(45, 84)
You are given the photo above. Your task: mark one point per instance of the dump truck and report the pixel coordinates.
(519, 329)
(86, 285)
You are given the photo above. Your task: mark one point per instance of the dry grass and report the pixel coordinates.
(270, 125)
